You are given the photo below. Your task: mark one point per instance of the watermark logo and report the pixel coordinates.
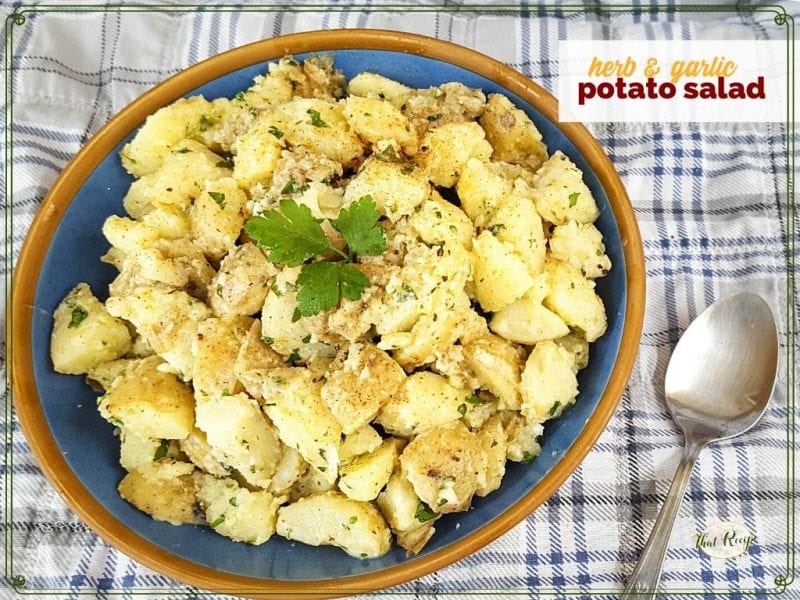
(726, 539)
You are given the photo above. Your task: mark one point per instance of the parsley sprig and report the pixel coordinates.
(293, 236)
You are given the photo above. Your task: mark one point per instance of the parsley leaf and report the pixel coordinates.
(316, 119)
(321, 283)
(275, 131)
(573, 198)
(424, 512)
(527, 457)
(357, 226)
(462, 408)
(554, 408)
(78, 315)
(292, 235)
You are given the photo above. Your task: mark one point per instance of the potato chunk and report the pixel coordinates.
(445, 150)
(365, 477)
(500, 276)
(164, 490)
(374, 119)
(548, 382)
(512, 134)
(163, 222)
(581, 245)
(516, 222)
(320, 126)
(572, 297)
(165, 263)
(161, 131)
(445, 465)
(236, 512)
(396, 189)
(400, 505)
(438, 222)
(363, 440)
(215, 349)
(197, 449)
(527, 321)
(289, 469)
(257, 152)
(104, 374)
(481, 190)
(425, 400)
(240, 436)
(372, 85)
(178, 181)
(292, 400)
(168, 320)
(255, 360)
(217, 216)
(496, 364)
(560, 193)
(523, 437)
(358, 386)
(242, 283)
(494, 444)
(149, 402)
(135, 451)
(84, 334)
(331, 518)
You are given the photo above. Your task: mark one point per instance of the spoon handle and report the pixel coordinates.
(645, 577)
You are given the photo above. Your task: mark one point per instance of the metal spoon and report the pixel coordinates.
(718, 383)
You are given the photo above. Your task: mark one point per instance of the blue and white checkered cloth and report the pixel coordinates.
(712, 205)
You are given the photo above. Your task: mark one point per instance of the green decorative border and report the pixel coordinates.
(781, 18)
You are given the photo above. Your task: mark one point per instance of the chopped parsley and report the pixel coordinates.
(291, 187)
(218, 521)
(527, 457)
(424, 512)
(554, 408)
(218, 197)
(316, 119)
(78, 315)
(161, 451)
(275, 131)
(573, 198)
(475, 400)
(462, 409)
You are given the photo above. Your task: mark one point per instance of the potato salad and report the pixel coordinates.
(341, 306)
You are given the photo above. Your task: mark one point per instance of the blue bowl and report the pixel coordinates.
(91, 452)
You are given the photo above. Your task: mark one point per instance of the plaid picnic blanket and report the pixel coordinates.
(714, 210)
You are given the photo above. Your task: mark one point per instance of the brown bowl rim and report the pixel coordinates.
(32, 254)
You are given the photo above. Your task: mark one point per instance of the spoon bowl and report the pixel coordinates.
(722, 372)
(718, 384)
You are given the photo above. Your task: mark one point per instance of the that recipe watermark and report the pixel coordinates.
(672, 81)
(726, 539)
